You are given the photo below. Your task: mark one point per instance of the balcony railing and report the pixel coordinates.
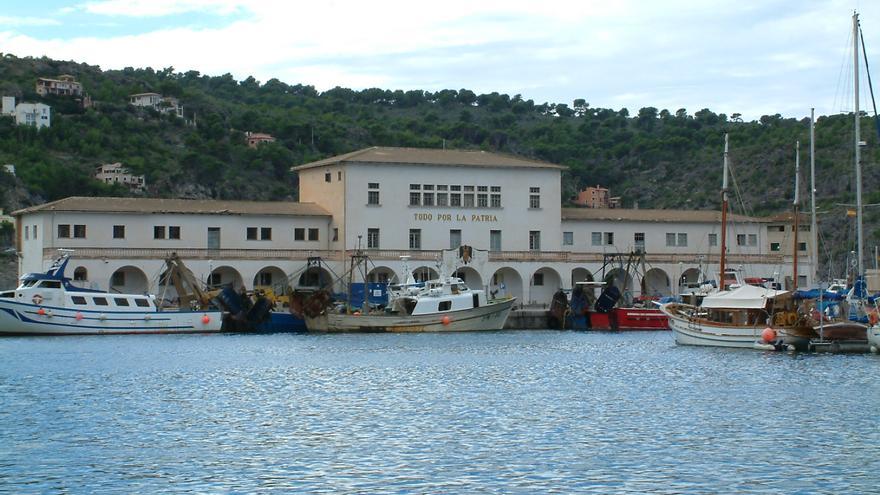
(395, 254)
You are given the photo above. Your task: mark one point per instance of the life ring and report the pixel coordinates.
(791, 318)
(37, 299)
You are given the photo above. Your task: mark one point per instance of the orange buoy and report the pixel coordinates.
(445, 320)
(41, 311)
(79, 316)
(768, 335)
(206, 319)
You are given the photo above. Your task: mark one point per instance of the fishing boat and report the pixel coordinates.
(49, 304)
(442, 305)
(609, 305)
(256, 311)
(594, 306)
(445, 304)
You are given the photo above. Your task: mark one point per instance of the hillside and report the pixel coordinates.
(657, 158)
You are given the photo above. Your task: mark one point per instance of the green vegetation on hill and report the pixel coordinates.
(655, 159)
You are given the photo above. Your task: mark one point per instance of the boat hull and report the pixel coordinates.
(281, 322)
(699, 332)
(28, 319)
(489, 317)
(640, 319)
(874, 338)
(845, 336)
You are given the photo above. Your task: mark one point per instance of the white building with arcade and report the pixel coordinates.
(405, 202)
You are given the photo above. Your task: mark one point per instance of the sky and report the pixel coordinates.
(752, 57)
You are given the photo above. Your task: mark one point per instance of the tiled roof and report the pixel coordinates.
(431, 156)
(192, 206)
(649, 215)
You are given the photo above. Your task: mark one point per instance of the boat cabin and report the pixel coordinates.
(53, 290)
(439, 296)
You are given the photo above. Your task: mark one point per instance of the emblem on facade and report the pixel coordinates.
(465, 252)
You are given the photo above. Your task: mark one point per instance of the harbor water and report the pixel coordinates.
(495, 412)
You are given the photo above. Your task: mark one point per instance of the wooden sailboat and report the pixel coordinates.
(840, 334)
(736, 315)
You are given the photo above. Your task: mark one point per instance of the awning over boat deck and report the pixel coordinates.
(745, 297)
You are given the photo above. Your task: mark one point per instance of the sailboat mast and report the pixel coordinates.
(814, 228)
(797, 174)
(723, 217)
(858, 158)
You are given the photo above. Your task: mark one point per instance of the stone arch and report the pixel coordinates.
(81, 275)
(129, 280)
(271, 277)
(506, 282)
(543, 284)
(382, 275)
(690, 279)
(314, 277)
(581, 275)
(425, 273)
(470, 276)
(656, 283)
(225, 276)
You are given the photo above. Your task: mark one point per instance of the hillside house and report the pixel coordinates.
(162, 104)
(597, 197)
(8, 106)
(38, 115)
(65, 85)
(115, 173)
(255, 139)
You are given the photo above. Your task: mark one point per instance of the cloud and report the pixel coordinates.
(6, 21)
(755, 58)
(159, 8)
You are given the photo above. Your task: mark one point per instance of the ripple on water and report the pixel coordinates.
(505, 412)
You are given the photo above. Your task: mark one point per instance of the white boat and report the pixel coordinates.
(443, 305)
(874, 338)
(738, 317)
(733, 314)
(49, 304)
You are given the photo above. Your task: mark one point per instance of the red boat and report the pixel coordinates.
(640, 319)
(586, 311)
